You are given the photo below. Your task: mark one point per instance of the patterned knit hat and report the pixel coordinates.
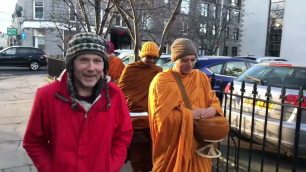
(86, 43)
(111, 48)
(149, 49)
(182, 47)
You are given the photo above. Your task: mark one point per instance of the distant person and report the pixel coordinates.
(115, 64)
(134, 83)
(171, 121)
(80, 122)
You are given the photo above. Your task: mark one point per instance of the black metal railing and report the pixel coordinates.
(247, 158)
(56, 64)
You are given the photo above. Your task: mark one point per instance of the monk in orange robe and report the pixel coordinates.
(171, 123)
(115, 64)
(134, 83)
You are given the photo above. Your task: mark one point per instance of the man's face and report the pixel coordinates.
(87, 70)
(149, 60)
(109, 56)
(184, 65)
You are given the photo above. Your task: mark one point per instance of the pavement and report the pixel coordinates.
(16, 98)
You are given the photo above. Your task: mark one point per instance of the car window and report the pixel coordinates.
(168, 65)
(129, 58)
(33, 51)
(235, 68)
(216, 68)
(22, 51)
(11, 51)
(276, 76)
(250, 64)
(161, 61)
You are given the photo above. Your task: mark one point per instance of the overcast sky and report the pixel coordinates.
(7, 8)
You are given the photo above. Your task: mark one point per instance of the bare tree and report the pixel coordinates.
(208, 24)
(81, 15)
(139, 16)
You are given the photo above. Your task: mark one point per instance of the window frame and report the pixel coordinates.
(74, 15)
(204, 9)
(34, 10)
(185, 7)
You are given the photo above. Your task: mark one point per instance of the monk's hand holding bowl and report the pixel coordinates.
(208, 112)
(202, 113)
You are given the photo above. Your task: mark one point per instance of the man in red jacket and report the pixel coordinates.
(80, 122)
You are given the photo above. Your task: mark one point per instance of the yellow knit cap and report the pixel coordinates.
(149, 49)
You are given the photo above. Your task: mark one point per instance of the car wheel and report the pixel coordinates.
(34, 65)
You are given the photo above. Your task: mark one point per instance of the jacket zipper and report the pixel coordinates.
(85, 116)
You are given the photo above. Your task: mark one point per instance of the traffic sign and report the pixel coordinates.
(23, 35)
(11, 31)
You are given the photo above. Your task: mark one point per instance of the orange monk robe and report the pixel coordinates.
(171, 123)
(115, 68)
(134, 83)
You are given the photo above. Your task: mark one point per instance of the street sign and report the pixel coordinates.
(11, 31)
(23, 35)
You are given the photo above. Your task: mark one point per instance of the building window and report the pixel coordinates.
(214, 30)
(165, 22)
(38, 10)
(201, 51)
(102, 14)
(237, 15)
(234, 51)
(204, 9)
(148, 25)
(39, 38)
(227, 33)
(228, 15)
(119, 21)
(275, 28)
(185, 6)
(234, 3)
(214, 12)
(225, 49)
(72, 14)
(236, 34)
(203, 28)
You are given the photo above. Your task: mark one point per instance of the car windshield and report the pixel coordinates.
(277, 76)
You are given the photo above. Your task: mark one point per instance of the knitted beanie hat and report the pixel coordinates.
(182, 47)
(111, 48)
(86, 43)
(149, 49)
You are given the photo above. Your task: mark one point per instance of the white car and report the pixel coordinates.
(130, 58)
(276, 75)
(264, 59)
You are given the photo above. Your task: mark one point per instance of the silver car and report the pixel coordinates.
(275, 75)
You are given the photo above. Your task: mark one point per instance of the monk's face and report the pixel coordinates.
(110, 56)
(184, 65)
(149, 60)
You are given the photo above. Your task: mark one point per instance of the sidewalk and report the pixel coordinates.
(16, 98)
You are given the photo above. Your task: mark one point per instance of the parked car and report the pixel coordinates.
(130, 58)
(120, 52)
(277, 75)
(225, 69)
(31, 57)
(264, 59)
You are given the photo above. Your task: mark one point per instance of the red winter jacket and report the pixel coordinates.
(60, 139)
